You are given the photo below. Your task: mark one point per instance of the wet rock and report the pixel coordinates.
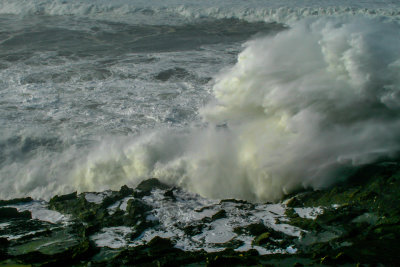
(124, 192)
(160, 243)
(291, 213)
(75, 205)
(4, 242)
(360, 224)
(237, 201)
(387, 231)
(192, 230)
(233, 244)
(360, 216)
(369, 218)
(254, 229)
(340, 258)
(257, 229)
(66, 197)
(305, 224)
(170, 194)
(342, 215)
(104, 256)
(262, 239)
(3, 248)
(158, 252)
(135, 217)
(15, 201)
(229, 257)
(146, 186)
(204, 208)
(219, 215)
(294, 202)
(21, 230)
(11, 213)
(45, 245)
(136, 210)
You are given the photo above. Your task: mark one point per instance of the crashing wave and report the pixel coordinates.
(299, 109)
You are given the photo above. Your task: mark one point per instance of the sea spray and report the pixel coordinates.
(297, 110)
(312, 100)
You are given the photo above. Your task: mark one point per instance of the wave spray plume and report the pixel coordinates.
(299, 109)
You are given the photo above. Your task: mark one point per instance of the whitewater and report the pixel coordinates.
(249, 100)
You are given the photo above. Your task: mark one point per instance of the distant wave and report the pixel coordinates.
(170, 12)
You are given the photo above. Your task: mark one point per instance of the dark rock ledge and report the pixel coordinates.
(356, 223)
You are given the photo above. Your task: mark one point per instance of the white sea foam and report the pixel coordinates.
(113, 237)
(173, 217)
(97, 197)
(40, 211)
(309, 212)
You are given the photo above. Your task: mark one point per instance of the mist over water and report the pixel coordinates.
(301, 107)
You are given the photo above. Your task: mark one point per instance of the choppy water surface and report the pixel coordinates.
(94, 95)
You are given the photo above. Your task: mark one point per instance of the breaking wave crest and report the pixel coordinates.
(157, 12)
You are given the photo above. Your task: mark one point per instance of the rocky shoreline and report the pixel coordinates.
(356, 223)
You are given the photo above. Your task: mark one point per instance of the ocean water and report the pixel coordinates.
(227, 99)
